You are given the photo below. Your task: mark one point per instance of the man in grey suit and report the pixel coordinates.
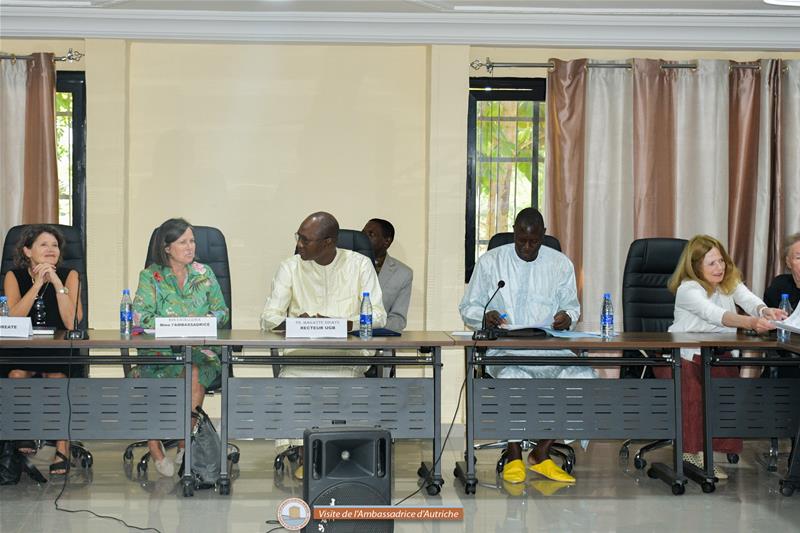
(394, 277)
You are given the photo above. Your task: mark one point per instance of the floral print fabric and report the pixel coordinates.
(159, 295)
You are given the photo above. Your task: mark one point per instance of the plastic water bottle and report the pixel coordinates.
(365, 321)
(607, 317)
(786, 306)
(3, 306)
(125, 314)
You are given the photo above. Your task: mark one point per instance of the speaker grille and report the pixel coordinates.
(350, 493)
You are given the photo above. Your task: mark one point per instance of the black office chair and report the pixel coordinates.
(564, 452)
(648, 306)
(212, 250)
(74, 258)
(348, 239)
(507, 237)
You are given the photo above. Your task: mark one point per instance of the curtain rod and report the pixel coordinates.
(70, 57)
(490, 65)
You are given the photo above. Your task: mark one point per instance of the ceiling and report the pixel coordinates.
(674, 24)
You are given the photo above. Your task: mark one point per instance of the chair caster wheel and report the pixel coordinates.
(787, 489)
(678, 489)
(652, 475)
(639, 463)
(234, 457)
(469, 487)
(225, 488)
(433, 489)
(278, 464)
(87, 462)
(708, 487)
(188, 490)
(733, 458)
(141, 468)
(624, 454)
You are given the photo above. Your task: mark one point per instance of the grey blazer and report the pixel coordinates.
(395, 279)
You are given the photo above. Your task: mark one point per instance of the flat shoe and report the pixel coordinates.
(164, 465)
(514, 471)
(550, 470)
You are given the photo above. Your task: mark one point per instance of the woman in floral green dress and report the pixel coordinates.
(176, 285)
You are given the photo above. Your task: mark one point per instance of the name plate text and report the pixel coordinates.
(15, 326)
(188, 326)
(316, 328)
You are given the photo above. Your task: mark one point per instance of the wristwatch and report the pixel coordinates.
(63, 290)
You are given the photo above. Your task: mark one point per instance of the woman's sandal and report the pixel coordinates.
(60, 468)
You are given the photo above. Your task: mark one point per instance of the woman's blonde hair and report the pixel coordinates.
(690, 265)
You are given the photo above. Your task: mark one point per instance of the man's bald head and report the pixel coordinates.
(325, 224)
(317, 236)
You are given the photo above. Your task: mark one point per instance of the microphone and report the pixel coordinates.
(484, 334)
(76, 334)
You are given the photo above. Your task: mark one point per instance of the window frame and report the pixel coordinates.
(73, 81)
(483, 89)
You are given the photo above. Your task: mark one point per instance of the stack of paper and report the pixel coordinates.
(792, 323)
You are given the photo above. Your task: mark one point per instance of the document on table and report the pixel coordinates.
(561, 333)
(565, 334)
(792, 323)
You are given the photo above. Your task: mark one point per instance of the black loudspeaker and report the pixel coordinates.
(347, 467)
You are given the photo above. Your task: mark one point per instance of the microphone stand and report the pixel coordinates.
(484, 334)
(76, 334)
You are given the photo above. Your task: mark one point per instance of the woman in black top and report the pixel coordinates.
(37, 276)
(787, 283)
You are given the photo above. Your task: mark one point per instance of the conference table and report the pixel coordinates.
(609, 409)
(85, 408)
(575, 408)
(272, 408)
(745, 408)
(260, 407)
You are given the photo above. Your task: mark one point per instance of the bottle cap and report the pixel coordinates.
(364, 294)
(126, 291)
(606, 295)
(785, 295)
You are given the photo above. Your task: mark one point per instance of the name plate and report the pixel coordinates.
(316, 328)
(15, 326)
(187, 326)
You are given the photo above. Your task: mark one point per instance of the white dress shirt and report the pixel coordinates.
(697, 311)
(534, 292)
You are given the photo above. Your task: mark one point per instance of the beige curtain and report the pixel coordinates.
(13, 81)
(671, 152)
(40, 194)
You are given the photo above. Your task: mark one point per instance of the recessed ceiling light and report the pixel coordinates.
(790, 3)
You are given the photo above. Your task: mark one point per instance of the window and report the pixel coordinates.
(505, 160)
(71, 149)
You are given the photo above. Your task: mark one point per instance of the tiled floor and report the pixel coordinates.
(608, 496)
